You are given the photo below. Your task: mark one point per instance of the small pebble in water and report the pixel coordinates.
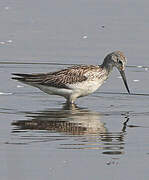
(85, 37)
(136, 80)
(19, 86)
(3, 93)
(139, 66)
(108, 162)
(65, 161)
(119, 77)
(111, 105)
(51, 170)
(9, 41)
(146, 69)
(6, 8)
(2, 42)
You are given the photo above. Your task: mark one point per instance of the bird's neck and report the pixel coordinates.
(107, 65)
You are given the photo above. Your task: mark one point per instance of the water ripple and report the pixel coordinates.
(75, 128)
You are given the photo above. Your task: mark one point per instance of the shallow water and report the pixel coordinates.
(106, 134)
(42, 137)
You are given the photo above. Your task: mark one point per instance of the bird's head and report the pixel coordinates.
(118, 60)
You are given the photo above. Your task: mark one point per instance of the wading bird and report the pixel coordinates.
(76, 81)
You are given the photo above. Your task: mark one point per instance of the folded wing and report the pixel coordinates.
(59, 79)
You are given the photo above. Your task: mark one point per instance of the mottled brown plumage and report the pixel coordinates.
(76, 81)
(61, 78)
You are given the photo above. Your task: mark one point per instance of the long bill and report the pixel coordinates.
(124, 79)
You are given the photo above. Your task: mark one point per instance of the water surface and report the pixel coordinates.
(106, 134)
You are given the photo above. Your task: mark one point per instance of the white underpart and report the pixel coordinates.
(85, 88)
(56, 91)
(76, 90)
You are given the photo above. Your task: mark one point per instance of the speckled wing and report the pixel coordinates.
(60, 79)
(72, 75)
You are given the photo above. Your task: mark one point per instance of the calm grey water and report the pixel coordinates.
(105, 136)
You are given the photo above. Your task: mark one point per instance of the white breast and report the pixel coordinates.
(86, 87)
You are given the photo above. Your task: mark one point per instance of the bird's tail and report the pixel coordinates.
(31, 79)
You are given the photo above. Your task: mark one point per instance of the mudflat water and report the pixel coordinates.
(105, 135)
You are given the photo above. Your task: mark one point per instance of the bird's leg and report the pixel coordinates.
(71, 99)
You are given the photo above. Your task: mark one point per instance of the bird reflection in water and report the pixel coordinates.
(83, 126)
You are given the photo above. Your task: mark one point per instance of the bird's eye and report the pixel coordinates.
(120, 62)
